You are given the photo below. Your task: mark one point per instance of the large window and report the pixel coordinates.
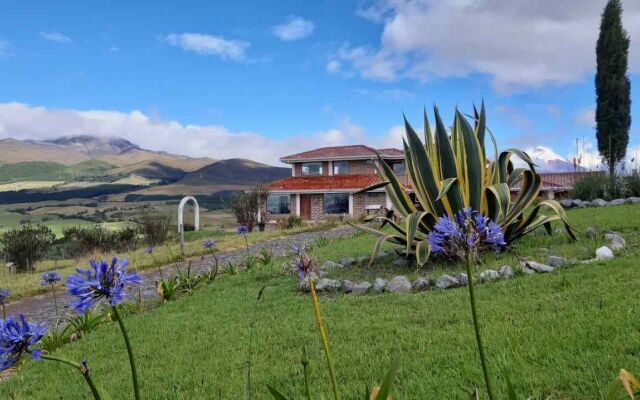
(398, 168)
(340, 167)
(278, 204)
(336, 203)
(312, 168)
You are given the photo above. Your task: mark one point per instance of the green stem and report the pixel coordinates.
(476, 326)
(83, 370)
(55, 303)
(4, 312)
(134, 372)
(323, 338)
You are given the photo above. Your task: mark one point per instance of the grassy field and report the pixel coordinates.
(559, 336)
(24, 185)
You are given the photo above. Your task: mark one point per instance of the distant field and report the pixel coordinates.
(137, 180)
(25, 185)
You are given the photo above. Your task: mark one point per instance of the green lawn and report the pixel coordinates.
(561, 336)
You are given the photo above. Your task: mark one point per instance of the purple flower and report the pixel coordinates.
(468, 230)
(16, 338)
(296, 249)
(242, 230)
(148, 250)
(102, 280)
(4, 295)
(49, 278)
(208, 244)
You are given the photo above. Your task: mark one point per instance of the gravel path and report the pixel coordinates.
(40, 308)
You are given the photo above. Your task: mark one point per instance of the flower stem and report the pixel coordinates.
(134, 372)
(476, 326)
(55, 303)
(4, 311)
(323, 338)
(83, 370)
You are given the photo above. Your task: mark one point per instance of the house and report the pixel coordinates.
(323, 182)
(557, 184)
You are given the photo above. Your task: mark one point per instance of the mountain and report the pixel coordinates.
(93, 146)
(547, 160)
(48, 171)
(151, 170)
(235, 171)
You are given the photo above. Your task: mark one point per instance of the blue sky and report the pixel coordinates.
(263, 79)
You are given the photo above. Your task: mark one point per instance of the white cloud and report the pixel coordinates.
(517, 43)
(295, 28)
(209, 45)
(586, 117)
(333, 66)
(5, 48)
(55, 37)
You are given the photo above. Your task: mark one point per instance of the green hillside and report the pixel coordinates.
(48, 171)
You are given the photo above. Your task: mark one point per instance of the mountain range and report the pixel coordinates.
(547, 160)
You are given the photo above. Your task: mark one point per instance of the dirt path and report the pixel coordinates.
(40, 308)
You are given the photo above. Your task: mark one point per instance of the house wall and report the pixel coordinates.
(362, 200)
(361, 167)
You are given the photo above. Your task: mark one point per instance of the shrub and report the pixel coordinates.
(289, 222)
(245, 205)
(591, 187)
(27, 245)
(632, 184)
(84, 240)
(155, 227)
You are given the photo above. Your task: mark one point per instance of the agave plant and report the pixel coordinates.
(450, 172)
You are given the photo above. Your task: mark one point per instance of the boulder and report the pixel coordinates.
(489, 275)
(446, 282)
(576, 202)
(304, 286)
(556, 261)
(328, 285)
(327, 265)
(616, 242)
(347, 286)
(379, 285)
(526, 270)
(585, 204)
(604, 253)
(506, 271)
(399, 284)
(361, 288)
(598, 202)
(420, 284)
(634, 200)
(401, 262)
(538, 267)
(462, 279)
(617, 202)
(347, 261)
(566, 203)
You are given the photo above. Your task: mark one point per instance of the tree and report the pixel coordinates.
(27, 245)
(613, 117)
(245, 205)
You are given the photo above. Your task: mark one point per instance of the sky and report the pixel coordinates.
(264, 79)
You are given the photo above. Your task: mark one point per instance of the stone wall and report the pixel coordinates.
(362, 200)
(317, 207)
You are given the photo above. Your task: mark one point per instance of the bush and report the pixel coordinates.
(27, 245)
(632, 184)
(245, 205)
(155, 227)
(289, 222)
(96, 238)
(591, 187)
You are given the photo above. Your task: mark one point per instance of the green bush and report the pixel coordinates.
(591, 187)
(155, 227)
(632, 184)
(96, 238)
(27, 245)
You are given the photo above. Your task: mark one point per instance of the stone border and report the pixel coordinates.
(577, 203)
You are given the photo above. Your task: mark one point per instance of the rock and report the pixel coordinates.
(364, 260)
(556, 261)
(617, 202)
(446, 282)
(538, 267)
(566, 203)
(576, 202)
(585, 204)
(401, 263)
(347, 286)
(526, 270)
(347, 261)
(304, 286)
(399, 284)
(604, 253)
(489, 275)
(420, 284)
(590, 233)
(379, 285)
(598, 202)
(634, 200)
(327, 265)
(462, 279)
(361, 288)
(328, 285)
(506, 271)
(616, 242)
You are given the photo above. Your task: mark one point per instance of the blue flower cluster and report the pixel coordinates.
(242, 230)
(101, 281)
(208, 244)
(468, 231)
(17, 336)
(4, 295)
(49, 278)
(304, 266)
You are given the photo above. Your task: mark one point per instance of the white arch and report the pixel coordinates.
(196, 212)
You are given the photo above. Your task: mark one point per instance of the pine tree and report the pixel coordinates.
(613, 116)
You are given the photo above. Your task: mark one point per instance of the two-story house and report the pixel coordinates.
(323, 182)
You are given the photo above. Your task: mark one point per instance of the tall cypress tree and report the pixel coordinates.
(613, 116)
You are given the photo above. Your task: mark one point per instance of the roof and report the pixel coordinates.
(558, 181)
(358, 151)
(323, 183)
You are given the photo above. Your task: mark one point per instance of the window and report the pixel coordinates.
(398, 168)
(336, 203)
(278, 204)
(340, 167)
(312, 169)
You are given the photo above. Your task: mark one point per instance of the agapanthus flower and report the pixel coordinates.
(17, 336)
(468, 230)
(49, 278)
(296, 249)
(101, 281)
(242, 230)
(208, 244)
(4, 295)
(304, 266)
(148, 250)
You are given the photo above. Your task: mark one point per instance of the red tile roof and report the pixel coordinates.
(342, 153)
(323, 183)
(558, 181)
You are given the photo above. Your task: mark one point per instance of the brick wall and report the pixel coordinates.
(317, 207)
(361, 167)
(361, 200)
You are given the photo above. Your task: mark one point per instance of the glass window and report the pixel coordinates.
(340, 167)
(312, 168)
(336, 203)
(398, 168)
(278, 204)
